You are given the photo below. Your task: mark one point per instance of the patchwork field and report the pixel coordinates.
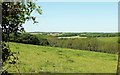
(35, 58)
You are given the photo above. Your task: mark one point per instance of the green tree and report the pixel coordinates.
(14, 14)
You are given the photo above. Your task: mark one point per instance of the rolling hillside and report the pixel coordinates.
(35, 58)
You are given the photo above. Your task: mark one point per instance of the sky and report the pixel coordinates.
(78, 0)
(75, 17)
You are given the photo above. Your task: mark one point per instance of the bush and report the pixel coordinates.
(28, 39)
(91, 44)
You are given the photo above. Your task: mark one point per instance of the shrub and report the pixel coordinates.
(28, 39)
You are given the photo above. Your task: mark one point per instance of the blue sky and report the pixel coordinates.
(75, 17)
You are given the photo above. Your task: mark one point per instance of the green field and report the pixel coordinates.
(35, 58)
(108, 39)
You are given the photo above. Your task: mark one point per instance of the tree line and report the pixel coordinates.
(28, 39)
(85, 34)
(90, 44)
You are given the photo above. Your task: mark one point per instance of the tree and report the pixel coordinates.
(14, 14)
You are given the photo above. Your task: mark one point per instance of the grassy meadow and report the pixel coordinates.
(35, 58)
(108, 39)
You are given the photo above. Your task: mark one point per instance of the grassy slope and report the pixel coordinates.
(50, 59)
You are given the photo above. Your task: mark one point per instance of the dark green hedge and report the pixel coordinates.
(28, 39)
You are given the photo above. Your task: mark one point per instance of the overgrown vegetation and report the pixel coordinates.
(28, 39)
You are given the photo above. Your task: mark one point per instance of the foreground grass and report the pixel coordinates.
(35, 58)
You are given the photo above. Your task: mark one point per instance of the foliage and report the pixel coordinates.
(14, 14)
(99, 44)
(102, 44)
(88, 34)
(28, 39)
